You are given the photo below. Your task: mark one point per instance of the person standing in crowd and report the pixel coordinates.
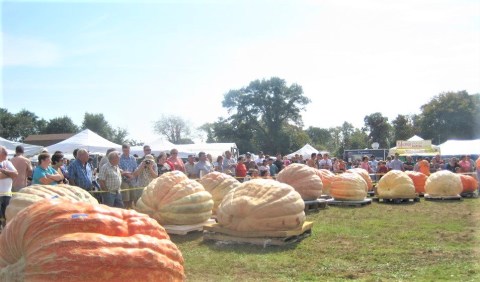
(241, 169)
(229, 163)
(24, 168)
(127, 164)
(365, 164)
(259, 160)
(273, 168)
(453, 165)
(326, 163)
(408, 164)
(279, 162)
(80, 172)
(203, 166)
(249, 162)
(439, 163)
(219, 164)
(190, 167)
(164, 165)
(176, 161)
(44, 173)
(312, 161)
(465, 165)
(146, 151)
(104, 160)
(381, 169)
(57, 164)
(396, 163)
(146, 171)
(7, 174)
(110, 178)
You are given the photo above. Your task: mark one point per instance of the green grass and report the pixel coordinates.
(426, 241)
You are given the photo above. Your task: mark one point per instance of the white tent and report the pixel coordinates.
(86, 139)
(306, 152)
(460, 147)
(157, 146)
(29, 150)
(214, 149)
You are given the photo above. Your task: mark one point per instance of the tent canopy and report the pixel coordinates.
(214, 149)
(86, 139)
(29, 150)
(157, 146)
(460, 147)
(306, 152)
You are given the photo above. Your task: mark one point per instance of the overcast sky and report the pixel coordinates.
(135, 61)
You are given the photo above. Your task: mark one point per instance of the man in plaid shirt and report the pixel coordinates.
(110, 179)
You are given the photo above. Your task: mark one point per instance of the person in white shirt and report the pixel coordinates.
(325, 163)
(7, 174)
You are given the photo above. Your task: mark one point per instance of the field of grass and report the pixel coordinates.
(426, 241)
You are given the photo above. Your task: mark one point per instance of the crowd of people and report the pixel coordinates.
(119, 178)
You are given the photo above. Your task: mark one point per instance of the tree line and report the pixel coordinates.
(266, 115)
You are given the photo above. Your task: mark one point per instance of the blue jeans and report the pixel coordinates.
(112, 199)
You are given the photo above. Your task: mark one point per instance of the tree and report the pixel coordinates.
(358, 139)
(60, 125)
(267, 107)
(320, 137)
(451, 115)
(17, 127)
(120, 136)
(98, 124)
(174, 128)
(379, 129)
(402, 128)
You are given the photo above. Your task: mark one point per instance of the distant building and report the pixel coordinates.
(47, 139)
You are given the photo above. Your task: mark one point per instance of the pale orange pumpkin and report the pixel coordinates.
(218, 184)
(364, 174)
(304, 179)
(469, 183)
(61, 240)
(31, 194)
(175, 199)
(443, 183)
(418, 179)
(327, 178)
(396, 184)
(262, 205)
(348, 187)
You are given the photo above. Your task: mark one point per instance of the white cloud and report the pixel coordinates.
(26, 51)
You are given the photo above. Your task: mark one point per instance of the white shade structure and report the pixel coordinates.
(29, 150)
(86, 139)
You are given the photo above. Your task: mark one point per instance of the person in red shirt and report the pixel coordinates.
(241, 169)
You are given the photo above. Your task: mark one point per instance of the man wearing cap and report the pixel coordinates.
(24, 169)
(146, 171)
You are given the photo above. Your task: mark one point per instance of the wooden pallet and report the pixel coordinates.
(469, 195)
(185, 229)
(371, 193)
(214, 232)
(315, 205)
(343, 203)
(396, 200)
(325, 197)
(442, 198)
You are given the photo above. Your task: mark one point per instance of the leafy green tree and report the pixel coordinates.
(60, 125)
(451, 115)
(17, 127)
(267, 106)
(358, 139)
(174, 128)
(320, 137)
(120, 136)
(403, 128)
(379, 130)
(98, 124)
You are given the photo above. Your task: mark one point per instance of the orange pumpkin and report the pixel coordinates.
(469, 183)
(218, 184)
(364, 174)
(304, 179)
(327, 178)
(396, 184)
(348, 187)
(58, 239)
(418, 179)
(175, 199)
(32, 194)
(262, 205)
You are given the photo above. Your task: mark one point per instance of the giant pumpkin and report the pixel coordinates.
(418, 179)
(218, 184)
(396, 184)
(31, 194)
(303, 179)
(262, 205)
(348, 187)
(469, 183)
(175, 199)
(62, 240)
(327, 178)
(364, 174)
(443, 183)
